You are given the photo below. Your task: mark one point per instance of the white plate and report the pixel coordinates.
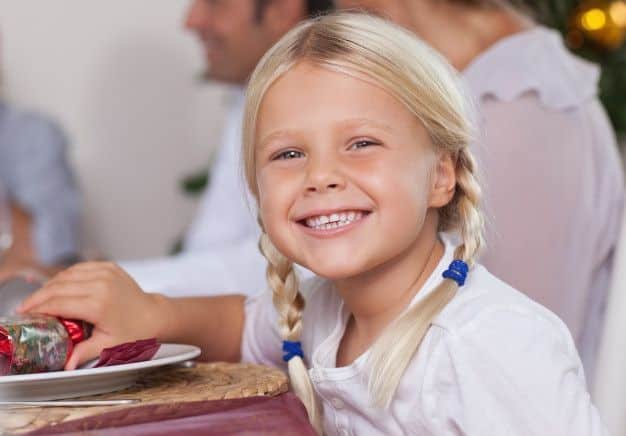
(88, 381)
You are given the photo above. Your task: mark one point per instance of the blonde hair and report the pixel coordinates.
(365, 45)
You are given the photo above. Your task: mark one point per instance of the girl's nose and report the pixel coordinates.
(323, 176)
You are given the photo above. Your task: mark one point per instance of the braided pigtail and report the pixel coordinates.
(406, 333)
(289, 304)
(468, 217)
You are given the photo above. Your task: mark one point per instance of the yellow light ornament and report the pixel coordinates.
(617, 12)
(593, 19)
(600, 21)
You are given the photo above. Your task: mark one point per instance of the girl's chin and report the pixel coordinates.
(336, 272)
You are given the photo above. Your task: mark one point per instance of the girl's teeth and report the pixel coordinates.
(335, 220)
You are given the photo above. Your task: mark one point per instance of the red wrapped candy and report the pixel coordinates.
(38, 343)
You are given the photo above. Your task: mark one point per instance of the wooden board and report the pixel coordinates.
(203, 381)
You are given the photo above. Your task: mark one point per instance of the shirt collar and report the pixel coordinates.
(533, 61)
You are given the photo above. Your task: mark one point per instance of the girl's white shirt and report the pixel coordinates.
(493, 363)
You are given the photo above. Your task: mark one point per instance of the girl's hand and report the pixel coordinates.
(102, 294)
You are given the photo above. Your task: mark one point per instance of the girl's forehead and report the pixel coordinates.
(320, 76)
(310, 94)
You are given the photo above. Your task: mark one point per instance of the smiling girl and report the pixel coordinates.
(356, 151)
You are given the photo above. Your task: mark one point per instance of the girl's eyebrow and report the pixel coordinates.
(277, 134)
(350, 123)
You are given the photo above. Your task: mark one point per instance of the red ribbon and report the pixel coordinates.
(6, 352)
(76, 331)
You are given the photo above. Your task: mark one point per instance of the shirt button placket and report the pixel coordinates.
(338, 405)
(343, 431)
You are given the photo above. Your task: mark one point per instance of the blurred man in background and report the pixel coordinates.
(220, 251)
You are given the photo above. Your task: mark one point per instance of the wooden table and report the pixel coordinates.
(173, 393)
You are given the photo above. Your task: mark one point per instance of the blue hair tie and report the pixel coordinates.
(292, 349)
(457, 271)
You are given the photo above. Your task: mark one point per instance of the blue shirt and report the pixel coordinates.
(35, 171)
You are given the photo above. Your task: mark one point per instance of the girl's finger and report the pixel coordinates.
(84, 270)
(94, 266)
(83, 308)
(62, 288)
(91, 283)
(47, 292)
(76, 273)
(83, 352)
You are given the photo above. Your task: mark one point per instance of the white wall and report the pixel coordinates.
(120, 77)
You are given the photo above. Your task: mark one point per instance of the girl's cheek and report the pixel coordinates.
(273, 202)
(264, 185)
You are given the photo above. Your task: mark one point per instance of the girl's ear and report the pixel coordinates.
(444, 180)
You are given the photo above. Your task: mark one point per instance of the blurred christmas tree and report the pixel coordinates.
(595, 30)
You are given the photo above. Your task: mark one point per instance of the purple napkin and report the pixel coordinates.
(130, 352)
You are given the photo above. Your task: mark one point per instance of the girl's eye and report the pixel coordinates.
(288, 154)
(362, 143)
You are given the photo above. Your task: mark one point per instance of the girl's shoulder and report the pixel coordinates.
(493, 349)
(487, 302)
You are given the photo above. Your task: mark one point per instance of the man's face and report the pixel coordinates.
(234, 38)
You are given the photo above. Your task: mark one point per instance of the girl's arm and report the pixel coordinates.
(104, 295)
(215, 324)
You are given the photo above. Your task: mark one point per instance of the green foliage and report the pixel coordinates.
(192, 185)
(195, 184)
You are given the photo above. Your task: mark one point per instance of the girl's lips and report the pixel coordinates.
(327, 233)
